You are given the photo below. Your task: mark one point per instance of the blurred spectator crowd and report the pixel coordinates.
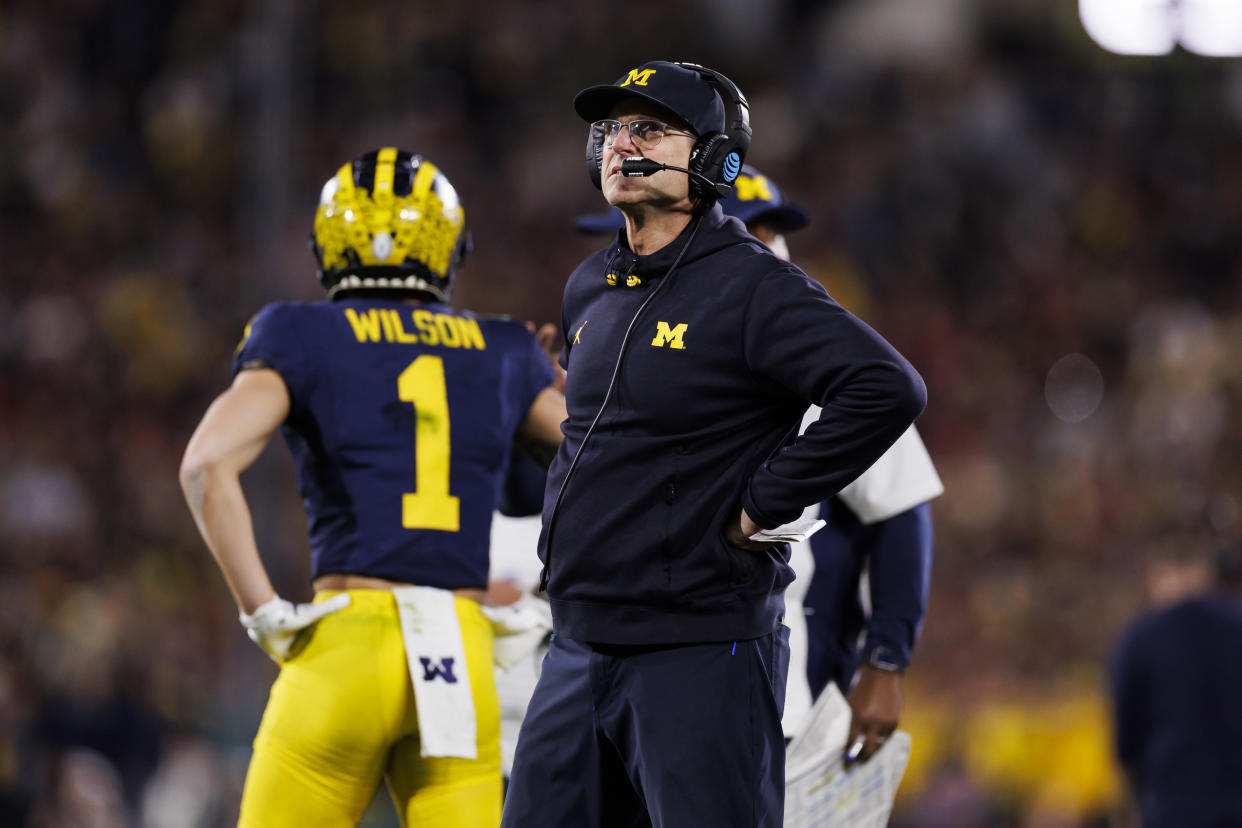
(1050, 234)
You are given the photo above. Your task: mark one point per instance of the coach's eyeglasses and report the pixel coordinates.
(644, 133)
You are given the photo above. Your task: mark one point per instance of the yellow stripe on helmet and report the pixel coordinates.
(380, 202)
(345, 180)
(423, 181)
(385, 170)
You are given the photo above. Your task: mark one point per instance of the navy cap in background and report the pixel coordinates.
(756, 197)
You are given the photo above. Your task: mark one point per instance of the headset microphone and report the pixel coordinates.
(638, 167)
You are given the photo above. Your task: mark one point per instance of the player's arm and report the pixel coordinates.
(900, 551)
(229, 438)
(540, 433)
(521, 494)
(546, 336)
(232, 433)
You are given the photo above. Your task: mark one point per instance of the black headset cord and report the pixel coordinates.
(612, 383)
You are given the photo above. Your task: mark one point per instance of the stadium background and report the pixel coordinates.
(1048, 231)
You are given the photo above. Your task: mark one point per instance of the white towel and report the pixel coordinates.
(519, 629)
(437, 660)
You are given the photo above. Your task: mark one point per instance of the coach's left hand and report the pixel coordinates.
(738, 533)
(875, 703)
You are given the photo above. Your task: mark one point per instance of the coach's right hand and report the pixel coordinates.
(275, 626)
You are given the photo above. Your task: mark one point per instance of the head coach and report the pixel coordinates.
(691, 354)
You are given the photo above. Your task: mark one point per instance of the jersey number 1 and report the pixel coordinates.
(430, 506)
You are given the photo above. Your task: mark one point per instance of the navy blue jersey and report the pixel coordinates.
(402, 417)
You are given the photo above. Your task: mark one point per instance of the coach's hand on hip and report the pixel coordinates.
(739, 531)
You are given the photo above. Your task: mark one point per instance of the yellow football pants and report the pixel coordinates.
(341, 716)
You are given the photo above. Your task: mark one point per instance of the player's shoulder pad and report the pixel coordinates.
(287, 312)
(494, 318)
(499, 322)
(278, 319)
(500, 327)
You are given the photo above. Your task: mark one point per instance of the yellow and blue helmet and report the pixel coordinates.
(389, 221)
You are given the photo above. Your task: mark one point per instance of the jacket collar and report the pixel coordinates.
(624, 267)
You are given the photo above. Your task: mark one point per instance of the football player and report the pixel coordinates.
(400, 413)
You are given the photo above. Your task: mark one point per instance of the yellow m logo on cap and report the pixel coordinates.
(638, 77)
(751, 188)
(670, 335)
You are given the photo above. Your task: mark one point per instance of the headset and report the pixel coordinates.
(716, 158)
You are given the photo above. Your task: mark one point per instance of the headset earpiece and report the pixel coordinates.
(595, 156)
(705, 149)
(719, 156)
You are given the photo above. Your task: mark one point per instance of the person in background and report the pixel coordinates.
(1177, 687)
(857, 605)
(401, 413)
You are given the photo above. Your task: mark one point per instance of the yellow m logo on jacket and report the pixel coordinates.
(670, 335)
(638, 78)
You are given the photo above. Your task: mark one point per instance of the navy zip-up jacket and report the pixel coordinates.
(715, 377)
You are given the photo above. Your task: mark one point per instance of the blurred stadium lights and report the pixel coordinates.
(1212, 28)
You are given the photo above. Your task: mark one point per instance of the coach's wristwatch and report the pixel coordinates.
(885, 660)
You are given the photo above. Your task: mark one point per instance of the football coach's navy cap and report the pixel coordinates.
(683, 92)
(754, 197)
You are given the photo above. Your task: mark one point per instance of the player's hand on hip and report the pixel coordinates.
(276, 625)
(875, 703)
